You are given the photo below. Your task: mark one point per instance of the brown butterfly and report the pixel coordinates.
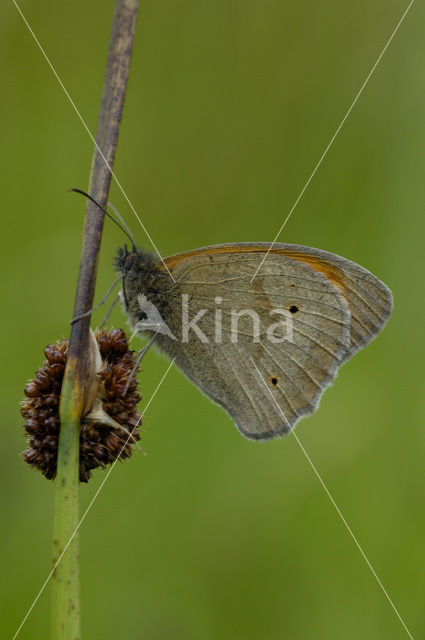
(290, 327)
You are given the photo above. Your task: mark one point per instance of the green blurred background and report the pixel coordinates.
(229, 107)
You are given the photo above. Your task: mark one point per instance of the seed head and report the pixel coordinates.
(110, 424)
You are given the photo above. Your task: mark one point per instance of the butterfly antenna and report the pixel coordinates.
(124, 229)
(117, 213)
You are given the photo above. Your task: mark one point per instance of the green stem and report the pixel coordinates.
(65, 596)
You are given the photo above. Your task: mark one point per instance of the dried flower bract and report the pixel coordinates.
(109, 428)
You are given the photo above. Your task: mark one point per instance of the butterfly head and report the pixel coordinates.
(125, 259)
(140, 273)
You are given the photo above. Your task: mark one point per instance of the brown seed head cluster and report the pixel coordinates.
(105, 430)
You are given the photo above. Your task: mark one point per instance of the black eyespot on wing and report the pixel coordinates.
(293, 308)
(274, 381)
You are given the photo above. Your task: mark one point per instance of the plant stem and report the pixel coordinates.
(65, 596)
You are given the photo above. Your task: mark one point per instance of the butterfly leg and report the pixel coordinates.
(105, 297)
(139, 358)
(106, 318)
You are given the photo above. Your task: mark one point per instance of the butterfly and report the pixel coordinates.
(263, 343)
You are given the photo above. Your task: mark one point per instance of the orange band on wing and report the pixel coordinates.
(333, 274)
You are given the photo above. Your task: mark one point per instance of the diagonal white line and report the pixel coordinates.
(91, 504)
(347, 526)
(333, 138)
(91, 135)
